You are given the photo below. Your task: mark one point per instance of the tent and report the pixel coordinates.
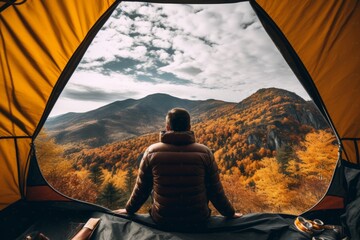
(41, 44)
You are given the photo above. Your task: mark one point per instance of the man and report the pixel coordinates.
(181, 175)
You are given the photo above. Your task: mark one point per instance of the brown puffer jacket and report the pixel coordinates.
(182, 176)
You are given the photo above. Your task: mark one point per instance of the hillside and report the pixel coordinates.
(269, 121)
(274, 151)
(122, 120)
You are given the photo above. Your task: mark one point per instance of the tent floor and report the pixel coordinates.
(62, 220)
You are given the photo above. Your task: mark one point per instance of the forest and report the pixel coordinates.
(268, 162)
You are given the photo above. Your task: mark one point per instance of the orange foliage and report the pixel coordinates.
(318, 155)
(252, 177)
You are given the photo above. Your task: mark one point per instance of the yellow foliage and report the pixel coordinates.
(318, 156)
(243, 199)
(271, 183)
(50, 155)
(118, 178)
(251, 185)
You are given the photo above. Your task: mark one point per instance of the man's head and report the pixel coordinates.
(178, 119)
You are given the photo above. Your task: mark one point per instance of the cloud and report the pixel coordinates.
(161, 55)
(163, 33)
(192, 51)
(161, 43)
(87, 93)
(141, 26)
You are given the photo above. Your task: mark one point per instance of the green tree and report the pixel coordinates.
(283, 155)
(130, 179)
(96, 174)
(111, 196)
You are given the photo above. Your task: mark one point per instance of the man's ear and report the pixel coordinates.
(168, 127)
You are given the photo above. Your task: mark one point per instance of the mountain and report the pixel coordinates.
(276, 118)
(281, 103)
(126, 119)
(269, 122)
(268, 147)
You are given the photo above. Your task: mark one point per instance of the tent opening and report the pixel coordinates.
(275, 151)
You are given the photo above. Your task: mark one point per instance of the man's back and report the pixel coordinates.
(184, 178)
(179, 179)
(181, 175)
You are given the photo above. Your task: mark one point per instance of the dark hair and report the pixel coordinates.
(178, 119)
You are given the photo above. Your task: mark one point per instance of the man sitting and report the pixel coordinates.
(182, 177)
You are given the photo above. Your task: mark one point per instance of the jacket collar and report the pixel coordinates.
(177, 138)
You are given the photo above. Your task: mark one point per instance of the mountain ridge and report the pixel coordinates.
(274, 124)
(131, 118)
(124, 119)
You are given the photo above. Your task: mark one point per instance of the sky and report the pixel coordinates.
(194, 52)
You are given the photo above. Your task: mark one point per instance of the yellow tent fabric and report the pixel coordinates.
(326, 37)
(37, 42)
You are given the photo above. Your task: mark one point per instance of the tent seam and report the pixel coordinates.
(21, 188)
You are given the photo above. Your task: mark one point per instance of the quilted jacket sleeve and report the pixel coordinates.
(143, 186)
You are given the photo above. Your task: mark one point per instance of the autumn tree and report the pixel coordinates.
(318, 155)
(48, 153)
(59, 172)
(272, 184)
(73, 186)
(243, 198)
